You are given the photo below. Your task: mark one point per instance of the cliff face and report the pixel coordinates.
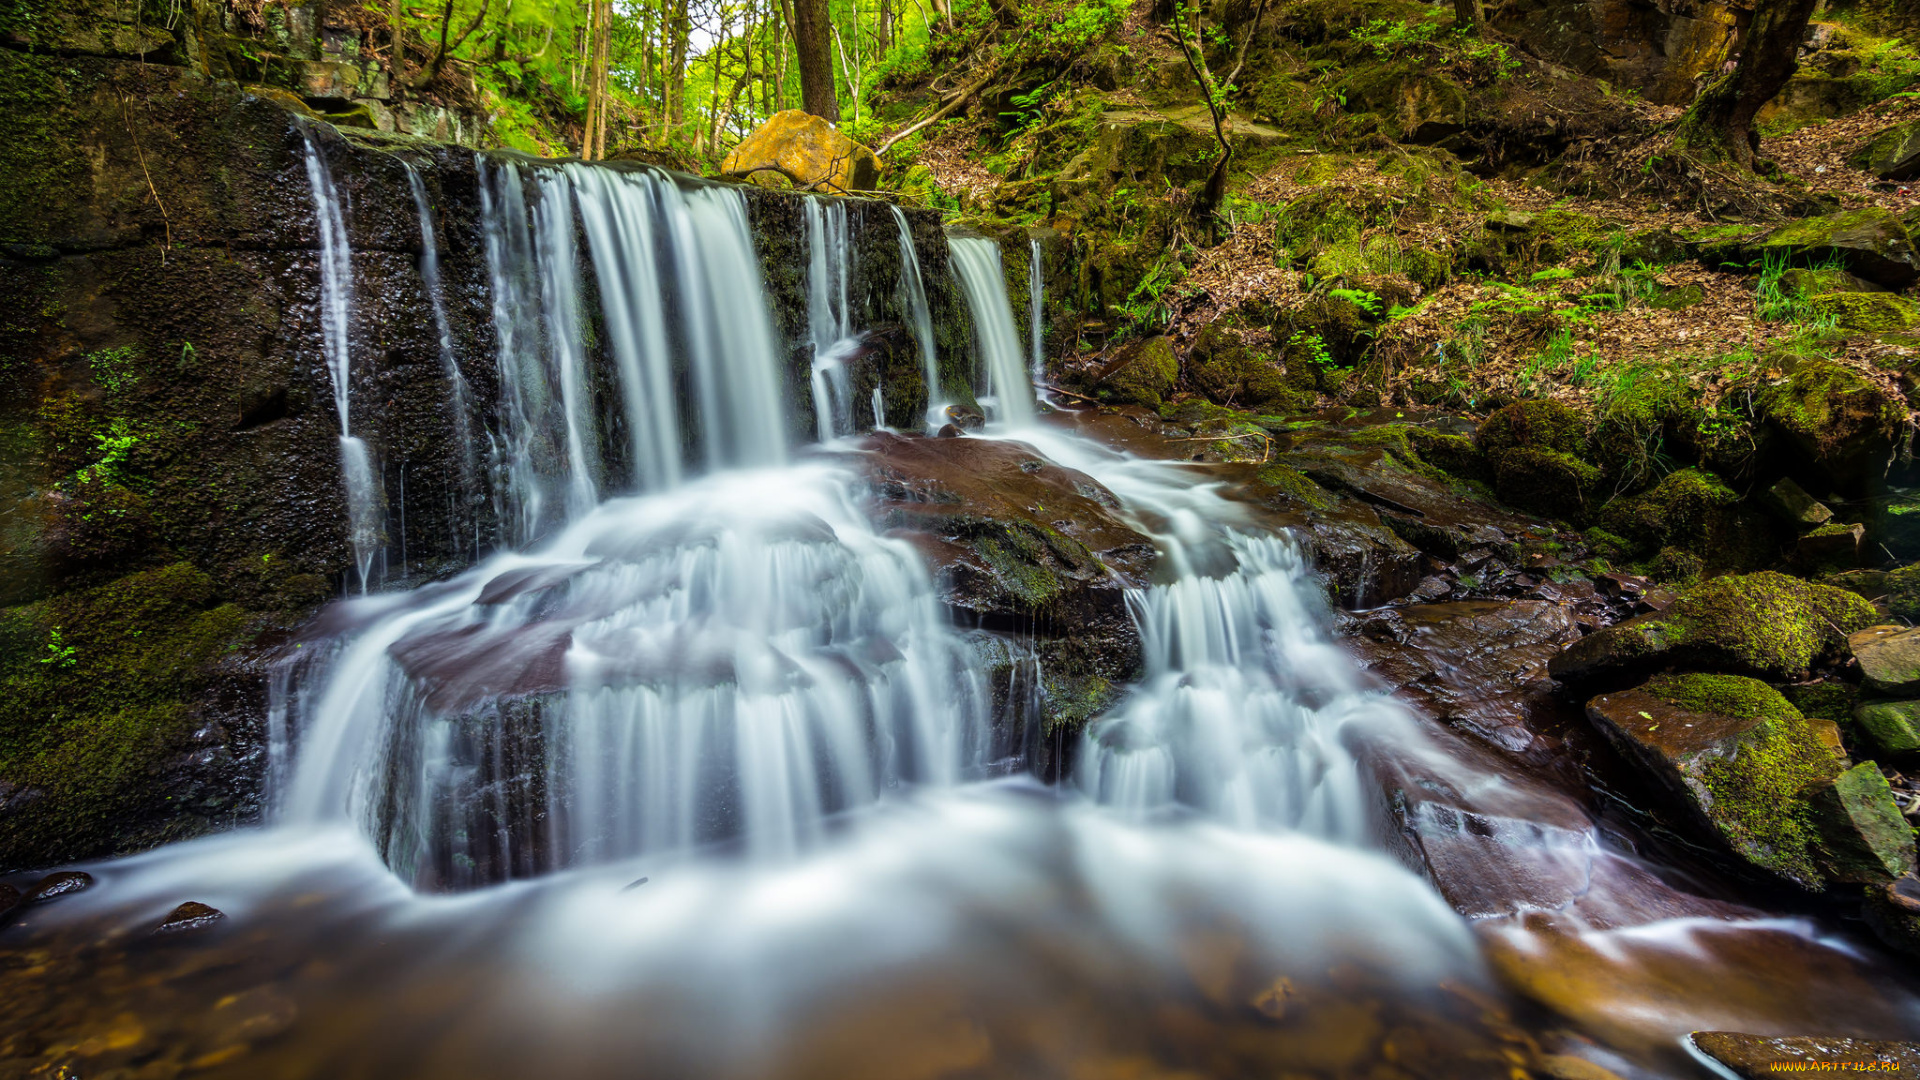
(170, 494)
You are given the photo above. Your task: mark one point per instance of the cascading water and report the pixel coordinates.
(914, 300)
(737, 661)
(829, 322)
(1036, 306)
(458, 394)
(1008, 389)
(364, 519)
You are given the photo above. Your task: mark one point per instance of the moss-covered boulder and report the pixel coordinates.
(1691, 510)
(1741, 762)
(1841, 420)
(1532, 449)
(1892, 154)
(1867, 312)
(1220, 366)
(1766, 623)
(107, 741)
(798, 148)
(1891, 727)
(1863, 837)
(1415, 104)
(1870, 242)
(1141, 373)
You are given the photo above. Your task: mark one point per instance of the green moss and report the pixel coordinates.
(1757, 795)
(1542, 425)
(1722, 695)
(1296, 486)
(1143, 374)
(1767, 621)
(1545, 481)
(1455, 455)
(1825, 700)
(94, 700)
(1866, 312)
(1690, 509)
(1832, 412)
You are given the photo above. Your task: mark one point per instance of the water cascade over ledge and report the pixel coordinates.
(726, 788)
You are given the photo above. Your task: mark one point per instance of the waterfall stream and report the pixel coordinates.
(365, 527)
(719, 783)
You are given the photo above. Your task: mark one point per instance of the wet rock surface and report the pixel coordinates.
(1752, 1057)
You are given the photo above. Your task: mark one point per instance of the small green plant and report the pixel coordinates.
(115, 447)
(1313, 346)
(59, 653)
(1363, 299)
(113, 368)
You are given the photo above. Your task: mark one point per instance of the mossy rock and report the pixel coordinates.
(1220, 366)
(1416, 104)
(1545, 482)
(1141, 373)
(98, 693)
(1893, 154)
(1797, 281)
(1870, 242)
(1535, 425)
(1737, 755)
(1693, 511)
(1767, 623)
(1456, 455)
(1890, 727)
(1836, 416)
(1867, 312)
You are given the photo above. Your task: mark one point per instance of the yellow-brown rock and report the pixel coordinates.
(807, 151)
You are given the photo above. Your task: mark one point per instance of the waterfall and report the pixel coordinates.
(914, 301)
(1008, 390)
(364, 524)
(734, 654)
(1036, 304)
(457, 392)
(829, 264)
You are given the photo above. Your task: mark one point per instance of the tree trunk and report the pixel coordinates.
(813, 35)
(603, 47)
(883, 30)
(1470, 15)
(679, 30)
(1719, 126)
(396, 52)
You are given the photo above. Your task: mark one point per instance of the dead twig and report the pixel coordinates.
(166, 222)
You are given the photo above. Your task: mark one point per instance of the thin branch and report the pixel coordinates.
(165, 222)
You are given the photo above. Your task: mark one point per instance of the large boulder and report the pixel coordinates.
(1766, 623)
(1140, 373)
(1748, 769)
(1870, 242)
(1532, 448)
(1892, 727)
(1893, 154)
(1867, 312)
(1221, 366)
(805, 150)
(1839, 418)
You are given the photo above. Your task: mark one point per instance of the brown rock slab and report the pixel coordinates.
(1792, 503)
(1753, 1057)
(1889, 659)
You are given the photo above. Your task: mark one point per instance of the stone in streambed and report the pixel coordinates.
(1766, 622)
(1735, 755)
(1889, 659)
(1893, 727)
(1829, 546)
(1141, 373)
(1840, 419)
(1892, 911)
(1792, 504)
(190, 916)
(1864, 838)
(1754, 1057)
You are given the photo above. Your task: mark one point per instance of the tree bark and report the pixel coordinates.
(679, 32)
(1470, 15)
(813, 36)
(396, 52)
(1719, 126)
(603, 48)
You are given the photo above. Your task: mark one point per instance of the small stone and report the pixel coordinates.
(1893, 912)
(1889, 658)
(1432, 588)
(189, 916)
(1753, 1057)
(1892, 726)
(1831, 545)
(1511, 220)
(1864, 838)
(64, 883)
(1792, 503)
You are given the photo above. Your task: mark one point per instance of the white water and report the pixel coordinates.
(1036, 307)
(458, 394)
(365, 526)
(829, 319)
(914, 301)
(1008, 390)
(741, 659)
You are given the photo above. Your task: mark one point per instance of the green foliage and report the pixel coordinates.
(1457, 50)
(113, 369)
(1363, 299)
(59, 653)
(116, 445)
(1313, 346)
